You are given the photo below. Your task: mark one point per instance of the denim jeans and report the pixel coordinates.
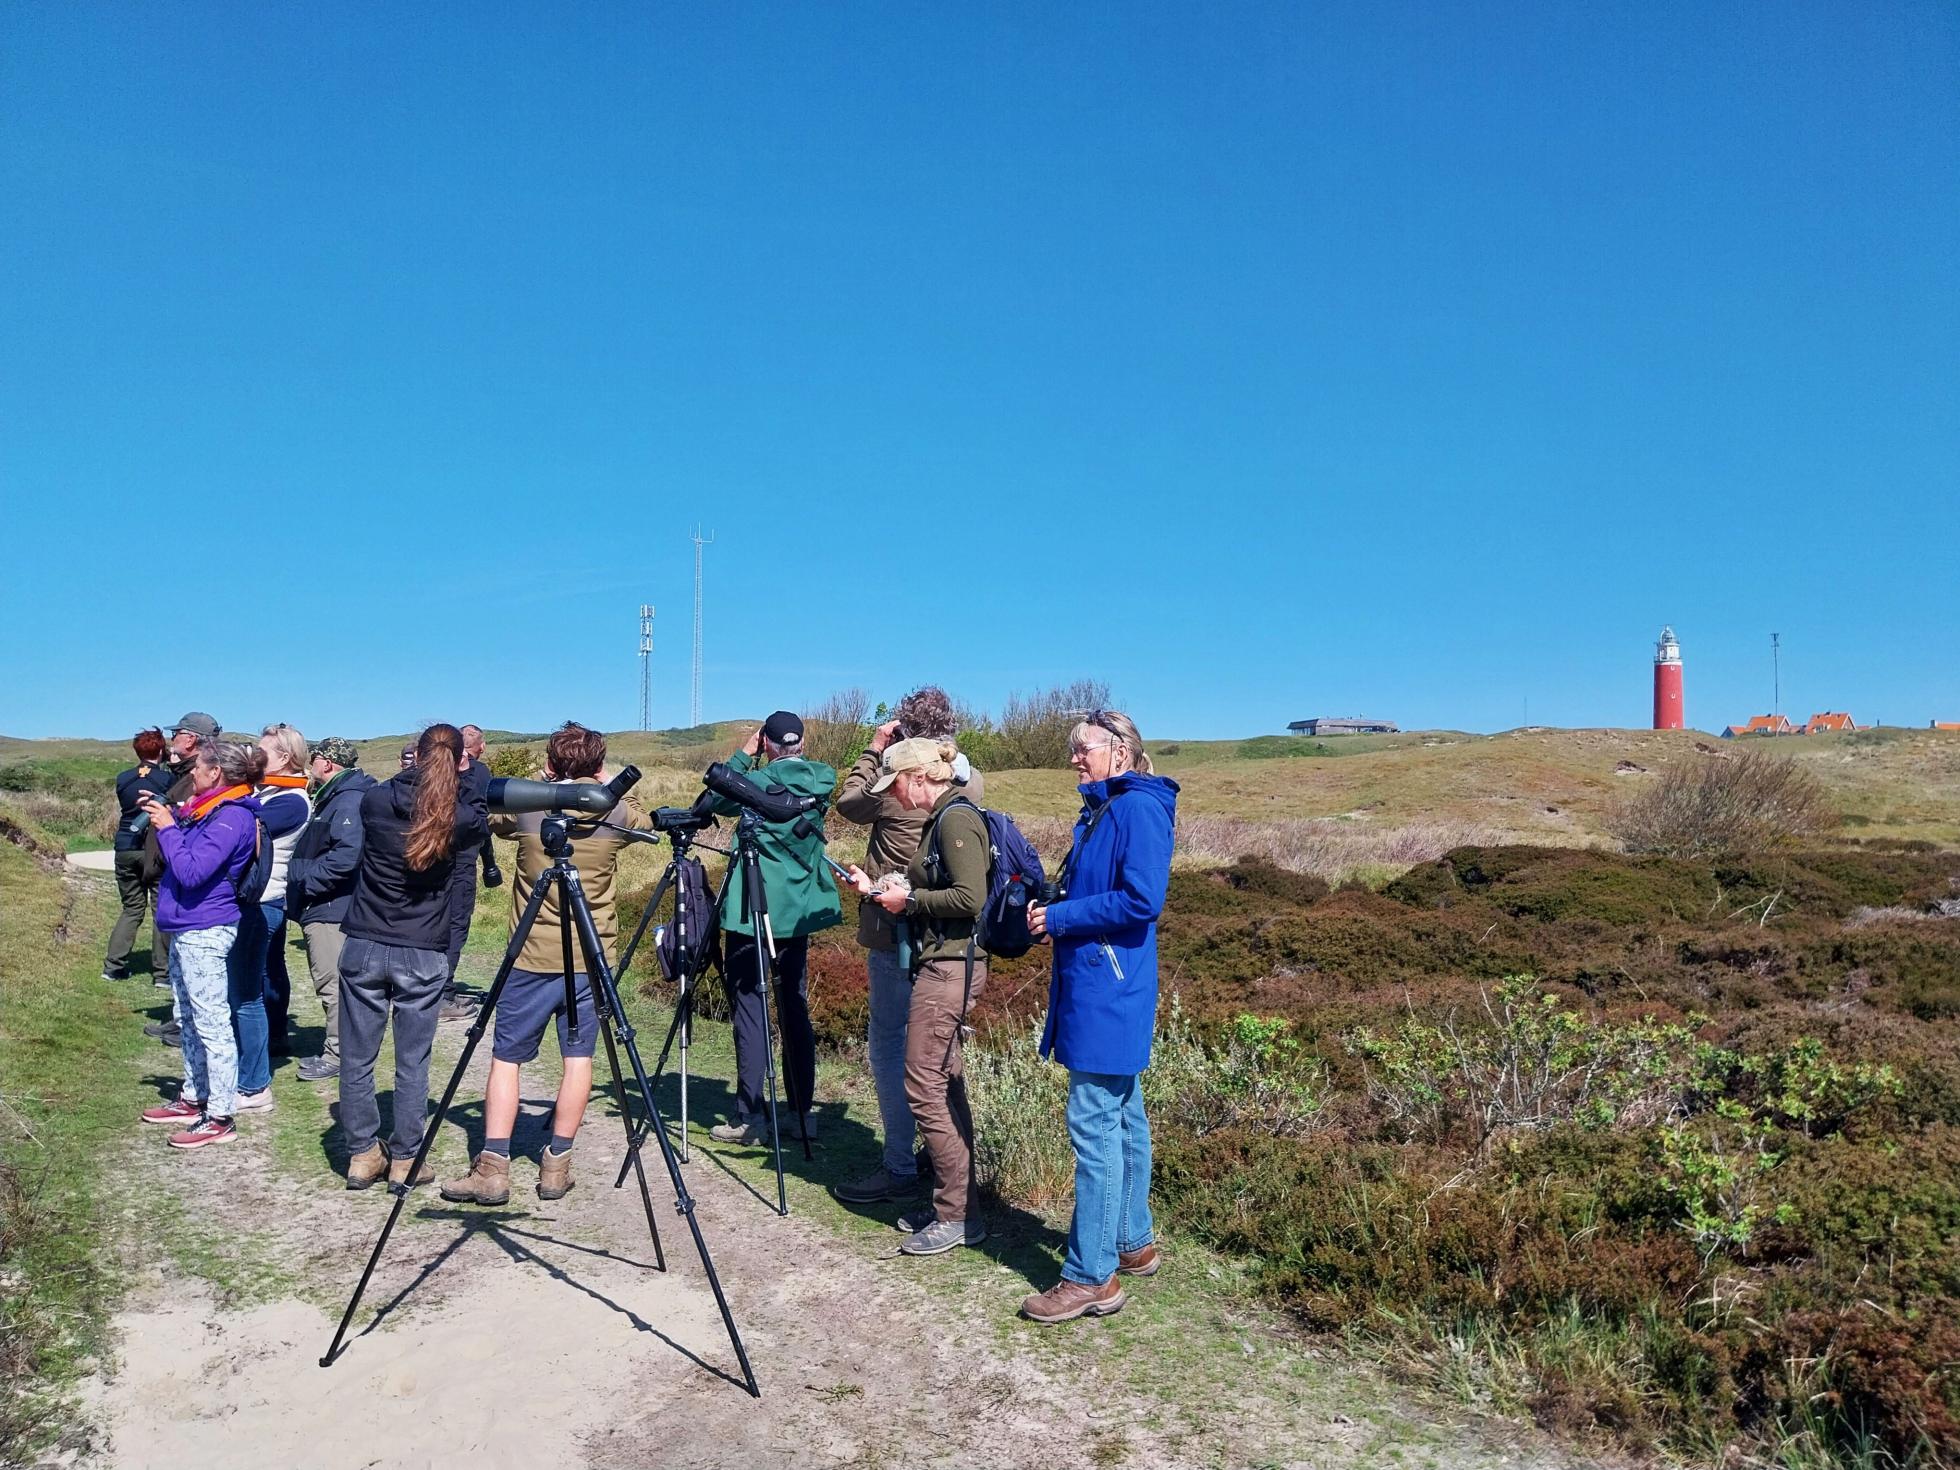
(377, 982)
(247, 994)
(1112, 1174)
(278, 984)
(198, 982)
(891, 1004)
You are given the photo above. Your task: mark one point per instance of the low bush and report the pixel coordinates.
(1744, 803)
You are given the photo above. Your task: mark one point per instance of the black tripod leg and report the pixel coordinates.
(755, 900)
(632, 1140)
(646, 919)
(601, 975)
(638, 1130)
(475, 1034)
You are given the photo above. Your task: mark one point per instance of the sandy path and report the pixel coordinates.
(534, 1335)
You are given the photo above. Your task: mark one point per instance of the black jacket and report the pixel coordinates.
(394, 904)
(320, 877)
(153, 777)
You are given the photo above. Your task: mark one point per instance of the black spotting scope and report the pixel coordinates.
(772, 804)
(510, 795)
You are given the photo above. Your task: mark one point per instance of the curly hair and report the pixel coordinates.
(926, 714)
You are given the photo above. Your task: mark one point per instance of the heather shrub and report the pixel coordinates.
(521, 761)
(1745, 803)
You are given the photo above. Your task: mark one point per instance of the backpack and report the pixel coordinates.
(1014, 879)
(251, 880)
(692, 902)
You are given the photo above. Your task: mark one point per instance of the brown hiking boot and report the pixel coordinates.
(487, 1183)
(1067, 1300)
(367, 1166)
(554, 1174)
(1143, 1261)
(398, 1173)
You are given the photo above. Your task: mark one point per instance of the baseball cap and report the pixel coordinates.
(334, 748)
(783, 728)
(905, 755)
(198, 723)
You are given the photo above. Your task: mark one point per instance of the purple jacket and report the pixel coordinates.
(201, 862)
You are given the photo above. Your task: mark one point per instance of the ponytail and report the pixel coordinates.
(432, 833)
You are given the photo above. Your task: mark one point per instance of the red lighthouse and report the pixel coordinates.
(1669, 711)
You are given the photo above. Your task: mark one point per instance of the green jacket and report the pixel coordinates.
(947, 897)
(802, 894)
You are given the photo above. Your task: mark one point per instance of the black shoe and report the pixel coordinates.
(318, 1069)
(109, 974)
(157, 1028)
(171, 1035)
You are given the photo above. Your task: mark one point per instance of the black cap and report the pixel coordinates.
(783, 728)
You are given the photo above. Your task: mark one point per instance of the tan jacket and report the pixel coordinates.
(597, 859)
(895, 834)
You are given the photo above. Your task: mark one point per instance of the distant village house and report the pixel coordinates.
(1827, 722)
(1344, 727)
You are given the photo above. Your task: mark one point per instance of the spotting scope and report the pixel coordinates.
(511, 795)
(772, 803)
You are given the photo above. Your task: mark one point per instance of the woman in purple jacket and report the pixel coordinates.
(207, 844)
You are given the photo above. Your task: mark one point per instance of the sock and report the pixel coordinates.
(498, 1146)
(560, 1144)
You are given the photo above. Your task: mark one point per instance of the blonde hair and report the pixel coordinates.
(291, 743)
(1121, 729)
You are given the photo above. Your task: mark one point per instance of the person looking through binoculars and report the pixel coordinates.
(534, 995)
(940, 896)
(801, 900)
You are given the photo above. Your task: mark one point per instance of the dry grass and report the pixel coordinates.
(1749, 802)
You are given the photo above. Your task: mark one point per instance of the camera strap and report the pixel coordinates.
(1068, 862)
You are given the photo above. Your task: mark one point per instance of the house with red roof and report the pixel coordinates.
(1761, 725)
(1831, 721)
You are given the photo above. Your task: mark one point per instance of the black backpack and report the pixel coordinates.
(252, 879)
(1014, 880)
(694, 902)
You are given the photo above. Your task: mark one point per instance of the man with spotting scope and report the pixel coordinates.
(802, 899)
(535, 993)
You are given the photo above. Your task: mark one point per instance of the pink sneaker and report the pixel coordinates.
(181, 1111)
(205, 1130)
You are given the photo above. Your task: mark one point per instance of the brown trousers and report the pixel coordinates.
(935, 1081)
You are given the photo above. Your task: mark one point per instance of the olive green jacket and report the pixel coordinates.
(802, 894)
(947, 899)
(894, 839)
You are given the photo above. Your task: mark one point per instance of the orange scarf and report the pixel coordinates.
(291, 783)
(196, 810)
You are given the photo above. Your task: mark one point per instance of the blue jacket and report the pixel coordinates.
(1102, 998)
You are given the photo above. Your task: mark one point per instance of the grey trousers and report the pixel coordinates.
(323, 942)
(377, 981)
(138, 895)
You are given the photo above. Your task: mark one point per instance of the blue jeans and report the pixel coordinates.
(278, 984)
(1111, 1138)
(246, 964)
(891, 1006)
(197, 981)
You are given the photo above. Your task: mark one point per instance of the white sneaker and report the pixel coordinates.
(255, 1102)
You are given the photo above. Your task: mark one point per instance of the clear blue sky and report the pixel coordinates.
(361, 365)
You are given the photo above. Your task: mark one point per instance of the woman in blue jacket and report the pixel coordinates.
(1102, 1009)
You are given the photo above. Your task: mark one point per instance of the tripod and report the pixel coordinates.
(755, 909)
(573, 911)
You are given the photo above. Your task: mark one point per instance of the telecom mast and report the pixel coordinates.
(646, 666)
(694, 704)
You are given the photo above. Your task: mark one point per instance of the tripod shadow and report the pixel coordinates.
(507, 1237)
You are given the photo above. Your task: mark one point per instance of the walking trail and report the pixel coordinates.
(537, 1334)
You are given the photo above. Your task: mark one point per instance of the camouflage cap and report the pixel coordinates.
(340, 752)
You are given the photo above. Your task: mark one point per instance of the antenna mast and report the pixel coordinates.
(694, 704)
(646, 666)
(1776, 671)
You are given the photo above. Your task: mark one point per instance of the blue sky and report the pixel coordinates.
(361, 365)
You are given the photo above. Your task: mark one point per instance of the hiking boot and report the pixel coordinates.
(157, 1028)
(1067, 1300)
(318, 1069)
(203, 1131)
(802, 1127)
(172, 1035)
(457, 1008)
(749, 1130)
(1143, 1261)
(182, 1111)
(943, 1235)
(255, 1102)
(398, 1173)
(554, 1174)
(487, 1183)
(879, 1184)
(367, 1166)
(915, 1220)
